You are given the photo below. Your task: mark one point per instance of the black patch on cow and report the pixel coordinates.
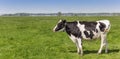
(71, 28)
(102, 26)
(89, 35)
(96, 31)
(90, 26)
(86, 34)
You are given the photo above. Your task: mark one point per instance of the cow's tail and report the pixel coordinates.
(108, 26)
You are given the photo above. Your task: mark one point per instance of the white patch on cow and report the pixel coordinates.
(73, 38)
(96, 35)
(59, 21)
(82, 29)
(80, 26)
(57, 26)
(54, 28)
(62, 29)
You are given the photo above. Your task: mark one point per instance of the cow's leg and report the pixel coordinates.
(103, 43)
(80, 46)
(74, 39)
(76, 42)
(106, 44)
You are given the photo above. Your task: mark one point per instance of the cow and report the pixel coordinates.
(88, 30)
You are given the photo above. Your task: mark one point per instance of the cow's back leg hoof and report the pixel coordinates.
(98, 53)
(106, 51)
(81, 54)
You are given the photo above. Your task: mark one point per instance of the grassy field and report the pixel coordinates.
(32, 38)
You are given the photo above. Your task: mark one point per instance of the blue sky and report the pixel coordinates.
(54, 6)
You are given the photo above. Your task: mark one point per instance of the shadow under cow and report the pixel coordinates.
(95, 51)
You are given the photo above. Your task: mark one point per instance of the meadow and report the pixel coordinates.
(33, 38)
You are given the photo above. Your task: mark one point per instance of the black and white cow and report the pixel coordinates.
(79, 30)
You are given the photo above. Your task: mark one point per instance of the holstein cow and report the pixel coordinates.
(78, 30)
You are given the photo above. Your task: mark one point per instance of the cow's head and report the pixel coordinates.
(60, 26)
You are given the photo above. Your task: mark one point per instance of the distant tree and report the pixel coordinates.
(59, 14)
(75, 15)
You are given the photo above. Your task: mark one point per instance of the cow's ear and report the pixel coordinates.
(64, 21)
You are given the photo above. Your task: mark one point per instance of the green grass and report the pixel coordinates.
(32, 38)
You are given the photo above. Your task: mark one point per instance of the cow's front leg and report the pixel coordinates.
(79, 40)
(74, 39)
(78, 50)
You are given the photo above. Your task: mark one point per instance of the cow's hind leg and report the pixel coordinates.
(106, 45)
(103, 43)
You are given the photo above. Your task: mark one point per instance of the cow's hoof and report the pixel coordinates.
(98, 53)
(81, 54)
(106, 51)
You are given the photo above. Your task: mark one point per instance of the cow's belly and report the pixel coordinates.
(89, 36)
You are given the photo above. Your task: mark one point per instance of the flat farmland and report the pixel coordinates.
(33, 38)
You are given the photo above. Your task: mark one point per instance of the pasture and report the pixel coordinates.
(32, 38)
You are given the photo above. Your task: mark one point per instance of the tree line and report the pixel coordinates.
(62, 14)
